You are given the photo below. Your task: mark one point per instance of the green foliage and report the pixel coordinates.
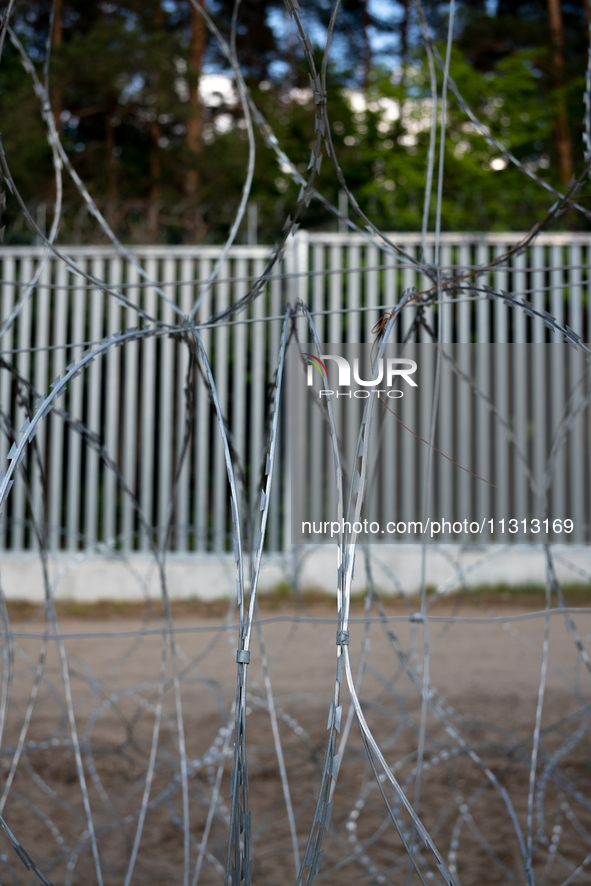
(121, 80)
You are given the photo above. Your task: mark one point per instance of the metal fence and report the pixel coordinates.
(133, 403)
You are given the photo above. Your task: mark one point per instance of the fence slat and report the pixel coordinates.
(221, 341)
(465, 399)
(7, 293)
(559, 486)
(165, 462)
(274, 525)
(353, 294)
(122, 396)
(75, 404)
(520, 386)
(335, 286)
(91, 486)
(202, 427)
(316, 426)
(427, 498)
(257, 395)
(186, 299)
(23, 364)
(444, 397)
(406, 407)
(148, 412)
(56, 423)
(371, 291)
(130, 354)
(112, 408)
(238, 416)
(41, 382)
(576, 372)
(538, 333)
(408, 282)
(482, 433)
(501, 393)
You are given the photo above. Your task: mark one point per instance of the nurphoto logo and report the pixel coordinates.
(389, 371)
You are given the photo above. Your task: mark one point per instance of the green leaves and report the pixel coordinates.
(121, 81)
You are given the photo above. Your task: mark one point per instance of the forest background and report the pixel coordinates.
(146, 109)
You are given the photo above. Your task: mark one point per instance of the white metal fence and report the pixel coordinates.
(134, 400)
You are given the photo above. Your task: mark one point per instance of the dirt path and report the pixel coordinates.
(485, 678)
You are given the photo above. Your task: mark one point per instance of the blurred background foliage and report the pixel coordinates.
(149, 116)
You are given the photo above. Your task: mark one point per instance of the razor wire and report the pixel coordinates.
(224, 847)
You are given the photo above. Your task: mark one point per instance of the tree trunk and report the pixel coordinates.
(565, 154)
(195, 118)
(404, 32)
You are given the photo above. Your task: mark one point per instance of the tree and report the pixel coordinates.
(565, 158)
(165, 160)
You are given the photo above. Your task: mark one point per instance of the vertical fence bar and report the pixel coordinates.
(274, 337)
(576, 375)
(406, 407)
(445, 397)
(91, 497)
(257, 393)
(335, 332)
(221, 336)
(165, 464)
(23, 363)
(318, 302)
(445, 310)
(371, 291)
(6, 343)
(335, 286)
(408, 282)
(78, 300)
(483, 379)
(148, 411)
(203, 429)
(390, 279)
(113, 397)
(353, 322)
(538, 296)
(520, 401)
(559, 483)
(427, 367)
(239, 390)
(353, 292)
(130, 354)
(296, 262)
(501, 392)
(538, 338)
(391, 432)
(56, 423)
(41, 382)
(465, 399)
(186, 299)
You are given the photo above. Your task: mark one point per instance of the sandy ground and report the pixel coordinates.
(485, 677)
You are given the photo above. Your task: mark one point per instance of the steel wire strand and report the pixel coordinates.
(239, 861)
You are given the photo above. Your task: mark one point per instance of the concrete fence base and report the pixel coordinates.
(88, 578)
